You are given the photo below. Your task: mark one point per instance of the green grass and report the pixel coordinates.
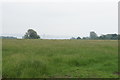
(0, 58)
(60, 58)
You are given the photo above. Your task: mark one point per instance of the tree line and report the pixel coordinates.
(7, 37)
(93, 36)
(32, 34)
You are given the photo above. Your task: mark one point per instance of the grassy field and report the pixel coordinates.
(59, 58)
(0, 58)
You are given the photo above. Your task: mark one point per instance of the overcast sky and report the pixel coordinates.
(57, 18)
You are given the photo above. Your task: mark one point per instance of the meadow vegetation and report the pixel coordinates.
(0, 58)
(37, 58)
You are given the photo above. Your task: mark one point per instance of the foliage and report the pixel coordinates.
(86, 38)
(7, 37)
(109, 36)
(78, 38)
(31, 34)
(93, 35)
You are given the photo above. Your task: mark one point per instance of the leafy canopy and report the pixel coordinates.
(31, 34)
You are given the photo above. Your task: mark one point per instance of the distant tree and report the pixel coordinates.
(109, 37)
(102, 37)
(87, 38)
(114, 36)
(93, 35)
(84, 38)
(78, 38)
(31, 34)
(118, 36)
(7, 37)
(72, 38)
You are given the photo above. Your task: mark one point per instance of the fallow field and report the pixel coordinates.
(37, 58)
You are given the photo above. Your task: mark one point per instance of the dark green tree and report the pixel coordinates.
(109, 37)
(93, 35)
(78, 38)
(31, 34)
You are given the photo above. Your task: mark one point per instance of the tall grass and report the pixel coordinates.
(60, 58)
(0, 58)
